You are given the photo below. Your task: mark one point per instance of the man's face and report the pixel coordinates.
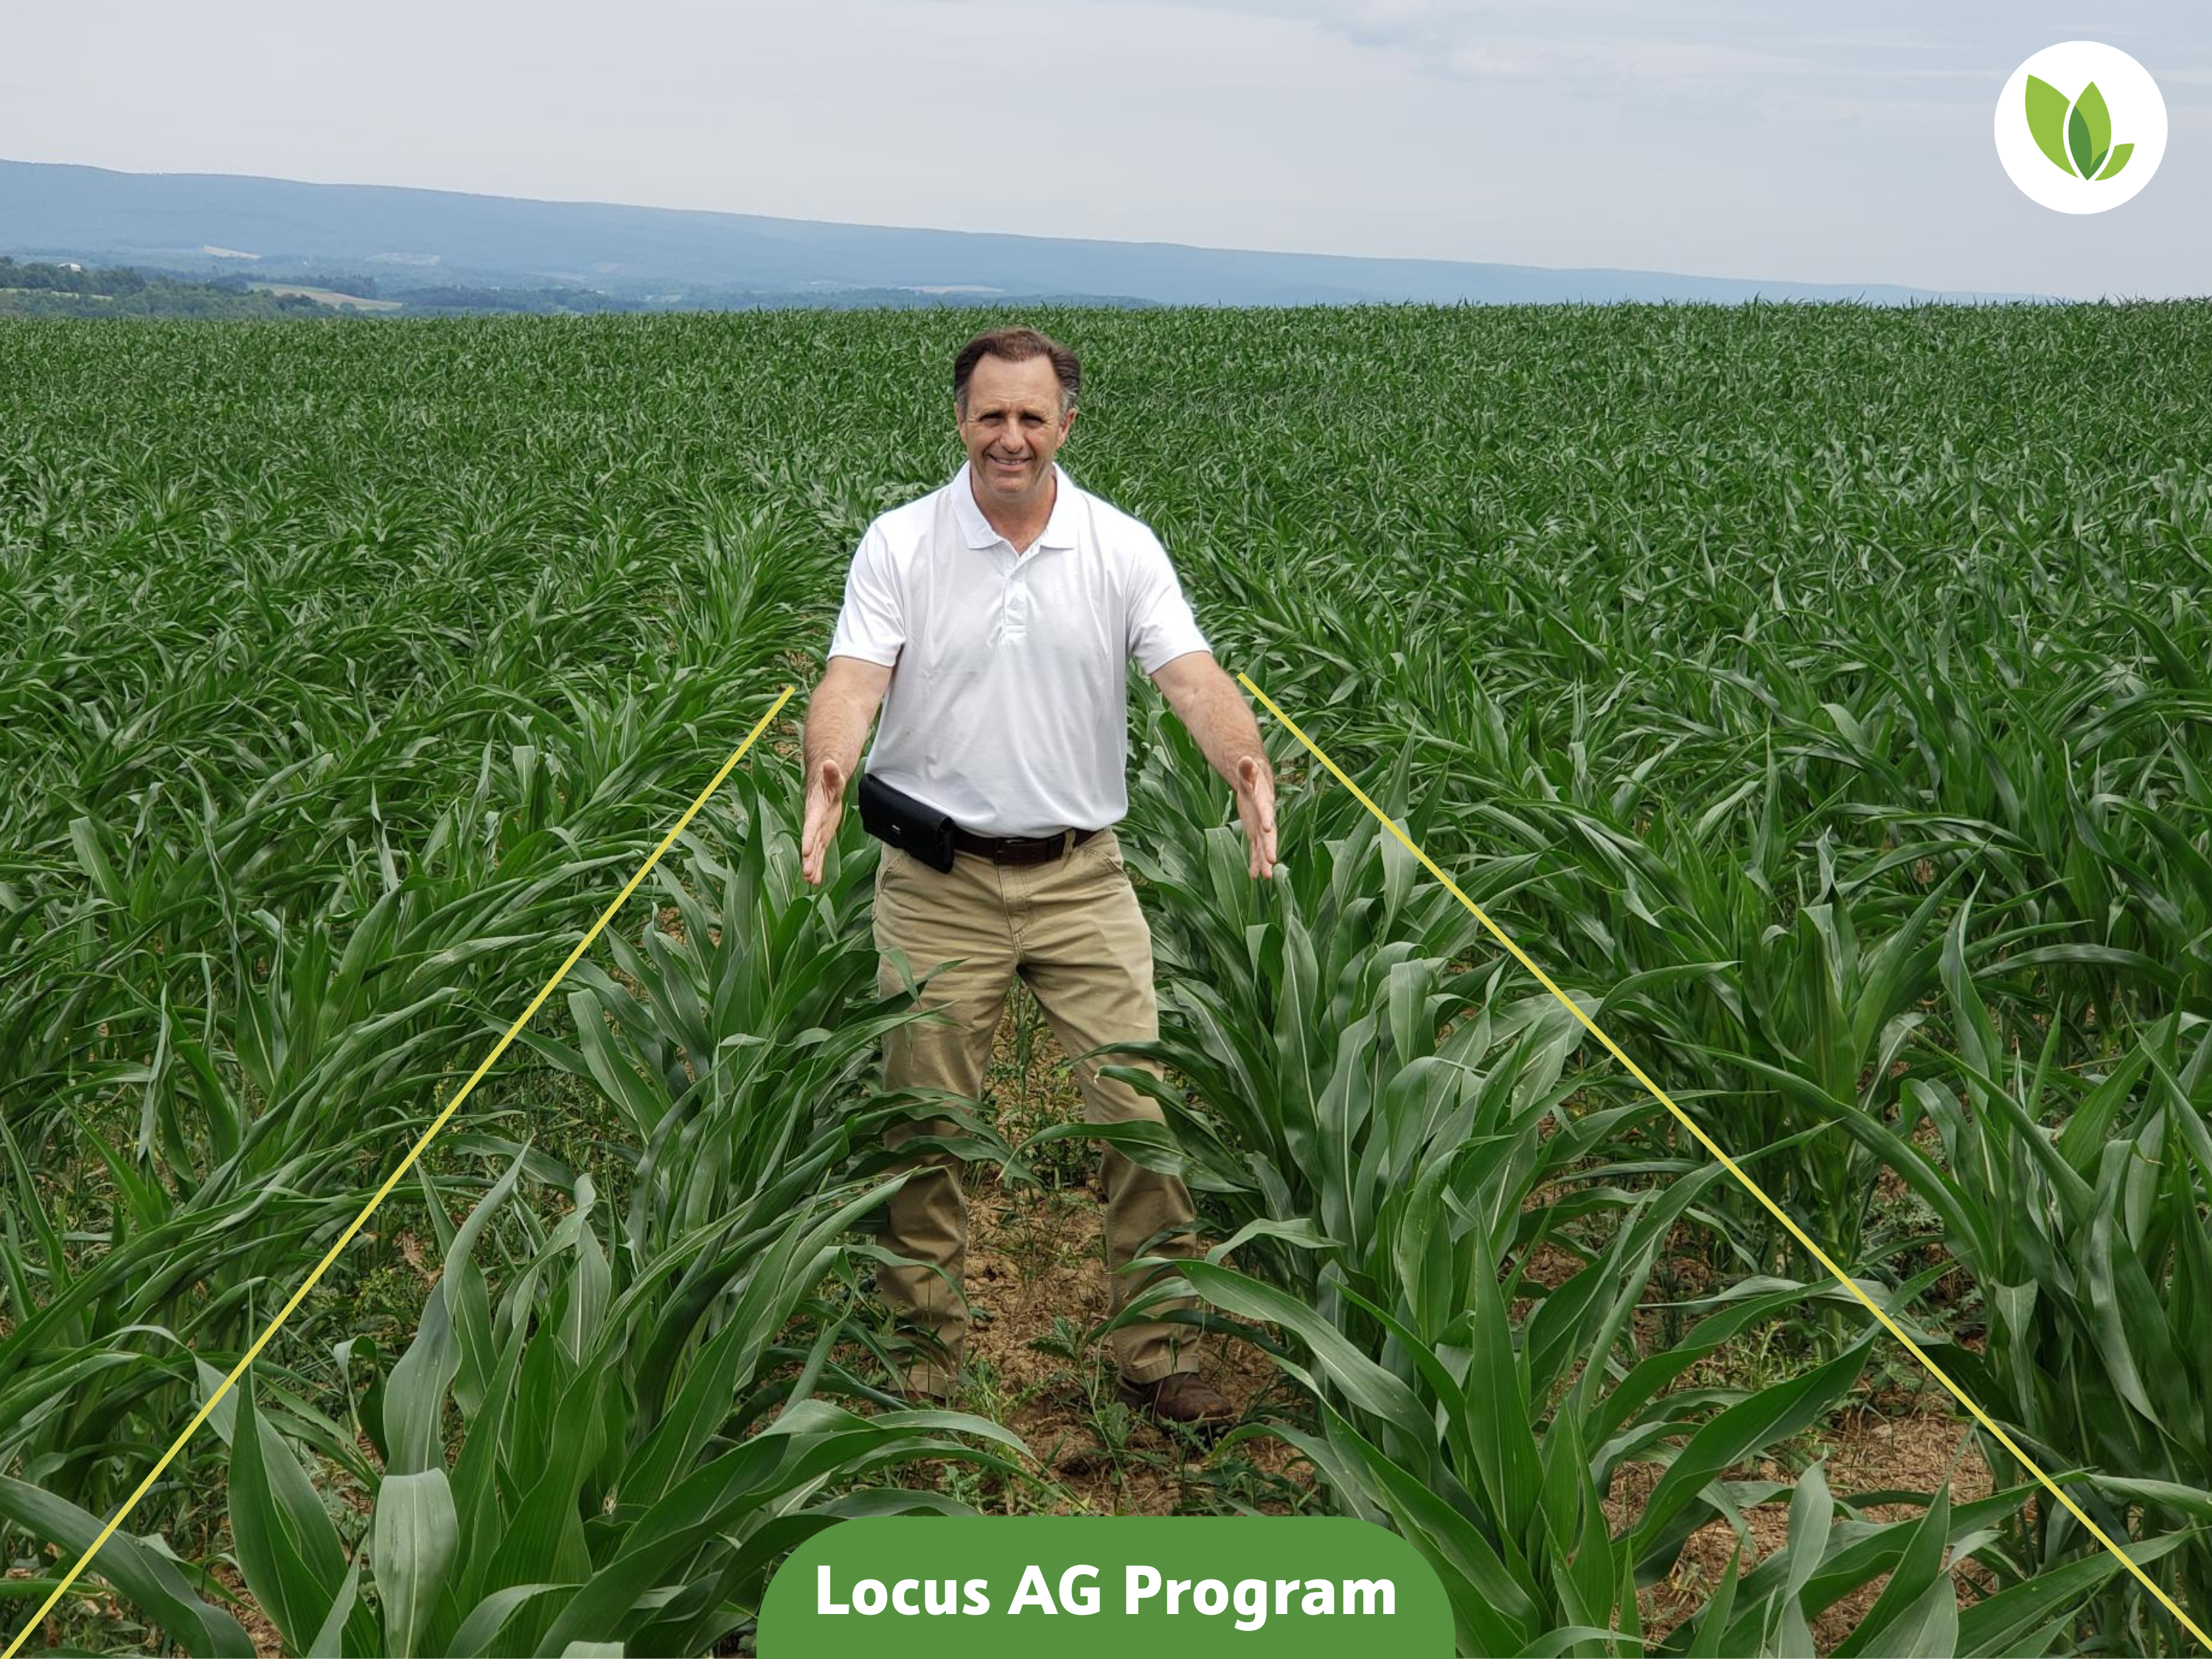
(1013, 428)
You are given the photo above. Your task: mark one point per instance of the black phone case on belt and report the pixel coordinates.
(897, 819)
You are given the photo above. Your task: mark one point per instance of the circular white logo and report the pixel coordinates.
(2081, 127)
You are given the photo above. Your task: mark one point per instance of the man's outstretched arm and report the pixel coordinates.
(838, 716)
(1207, 702)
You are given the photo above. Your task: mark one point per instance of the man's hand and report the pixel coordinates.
(825, 808)
(1206, 700)
(1255, 805)
(837, 719)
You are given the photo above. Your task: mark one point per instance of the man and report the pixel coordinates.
(993, 621)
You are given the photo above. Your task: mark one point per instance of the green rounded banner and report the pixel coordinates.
(1080, 1585)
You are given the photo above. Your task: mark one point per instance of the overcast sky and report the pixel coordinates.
(1832, 143)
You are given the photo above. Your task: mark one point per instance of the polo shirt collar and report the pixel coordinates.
(975, 529)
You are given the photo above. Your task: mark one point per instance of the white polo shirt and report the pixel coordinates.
(1008, 703)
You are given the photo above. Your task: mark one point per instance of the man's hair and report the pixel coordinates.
(1017, 345)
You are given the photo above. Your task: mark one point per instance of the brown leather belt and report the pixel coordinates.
(1021, 849)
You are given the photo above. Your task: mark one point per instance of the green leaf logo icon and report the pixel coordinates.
(2075, 134)
(2057, 119)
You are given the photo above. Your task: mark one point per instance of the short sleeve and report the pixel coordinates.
(1161, 626)
(872, 624)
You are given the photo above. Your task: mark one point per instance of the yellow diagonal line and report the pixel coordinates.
(393, 1179)
(1731, 1165)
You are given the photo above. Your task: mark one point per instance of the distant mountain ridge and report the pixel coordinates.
(403, 237)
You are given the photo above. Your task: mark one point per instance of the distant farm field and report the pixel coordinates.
(327, 296)
(1822, 696)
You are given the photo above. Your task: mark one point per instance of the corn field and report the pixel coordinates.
(1822, 695)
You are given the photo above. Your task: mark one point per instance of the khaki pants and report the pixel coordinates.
(1071, 928)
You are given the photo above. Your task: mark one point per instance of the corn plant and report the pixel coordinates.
(1323, 1091)
(587, 1502)
(1490, 1444)
(2089, 1242)
(1769, 1608)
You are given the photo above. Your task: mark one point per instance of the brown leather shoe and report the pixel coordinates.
(1181, 1399)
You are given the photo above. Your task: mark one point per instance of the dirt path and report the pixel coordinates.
(1037, 1280)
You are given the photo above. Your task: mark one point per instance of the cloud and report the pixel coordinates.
(1640, 62)
(1473, 40)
